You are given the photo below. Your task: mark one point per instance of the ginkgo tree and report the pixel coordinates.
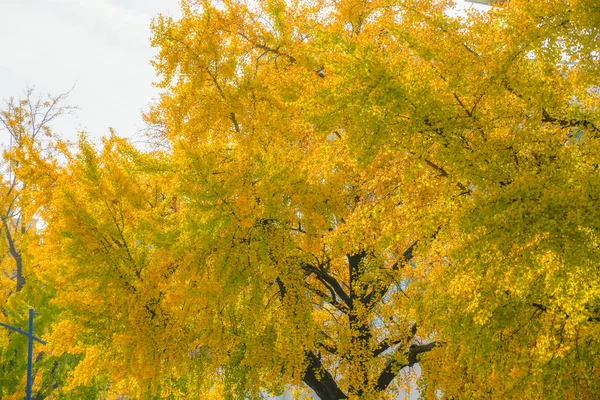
(349, 188)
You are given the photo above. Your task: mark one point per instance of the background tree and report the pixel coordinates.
(29, 171)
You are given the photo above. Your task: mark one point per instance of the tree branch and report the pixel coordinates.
(282, 288)
(331, 281)
(320, 380)
(393, 367)
(546, 117)
(387, 343)
(376, 295)
(330, 299)
(445, 174)
(267, 48)
(330, 348)
(213, 77)
(571, 123)
(384, 345)
(12, 249)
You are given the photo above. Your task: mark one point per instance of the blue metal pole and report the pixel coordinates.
(29, 357)
(30, 339)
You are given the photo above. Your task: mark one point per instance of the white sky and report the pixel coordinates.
(100, 46)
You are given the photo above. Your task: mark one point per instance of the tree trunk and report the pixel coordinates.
(320, 380)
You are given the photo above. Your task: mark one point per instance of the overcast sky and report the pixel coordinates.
(101, 47)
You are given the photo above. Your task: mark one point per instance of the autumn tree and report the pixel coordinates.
(27, 171)
(349, 188)
(29, 166)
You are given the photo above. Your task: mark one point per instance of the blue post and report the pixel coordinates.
(29, 357)
(30, 339)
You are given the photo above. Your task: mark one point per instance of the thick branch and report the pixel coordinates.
(320, 380)
(445, 174)
(332, 349)
(393, 367)
(571, 123)
(543, 308)
(282, 288)
(439, 169)
(355, 274)
(236, 125)
(329, 299)
(387, 343)
(384, 345)
(322, 275)
(540, 307)
(564, 123)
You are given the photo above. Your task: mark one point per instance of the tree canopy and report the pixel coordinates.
(342, 190)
